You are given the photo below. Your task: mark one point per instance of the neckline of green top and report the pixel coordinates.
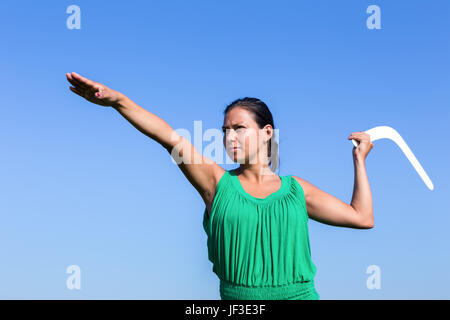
(271, 197)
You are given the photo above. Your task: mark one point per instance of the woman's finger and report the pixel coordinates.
(83, 80)
(76, 82)
(360, 136)
(75, 90)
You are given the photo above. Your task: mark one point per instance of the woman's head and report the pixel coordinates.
(248, 124)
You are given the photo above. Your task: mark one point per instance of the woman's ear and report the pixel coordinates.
(269, 132)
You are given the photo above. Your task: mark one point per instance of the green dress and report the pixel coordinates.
(259, 247)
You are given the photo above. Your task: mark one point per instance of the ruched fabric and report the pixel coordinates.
(260, 247)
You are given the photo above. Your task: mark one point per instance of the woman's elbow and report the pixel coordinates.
(368, 224)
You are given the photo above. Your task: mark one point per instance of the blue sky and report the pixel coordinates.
(81, 186)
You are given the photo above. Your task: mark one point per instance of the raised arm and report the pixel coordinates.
(202, 172)
(328, 209)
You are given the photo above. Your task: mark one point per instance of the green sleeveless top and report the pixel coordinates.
(259, 242)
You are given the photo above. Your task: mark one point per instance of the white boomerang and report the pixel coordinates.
(385, 132)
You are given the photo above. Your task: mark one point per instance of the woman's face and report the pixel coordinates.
(241, 131)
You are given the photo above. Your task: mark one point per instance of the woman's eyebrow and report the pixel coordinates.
(237, 124)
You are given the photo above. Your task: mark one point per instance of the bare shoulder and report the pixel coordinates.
(310, 190)
(306, 186)
(218, 174)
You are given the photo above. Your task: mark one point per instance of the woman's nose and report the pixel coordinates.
(230, 143)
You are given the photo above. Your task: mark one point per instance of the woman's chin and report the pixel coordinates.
(235, 158)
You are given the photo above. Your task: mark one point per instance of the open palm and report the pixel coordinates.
(92, 91)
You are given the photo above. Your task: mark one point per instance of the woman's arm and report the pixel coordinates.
(202, 172)
(362, 196)
(146, 122)
(143, 120)
(327, 209)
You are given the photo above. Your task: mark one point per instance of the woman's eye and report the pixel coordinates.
(239, 128)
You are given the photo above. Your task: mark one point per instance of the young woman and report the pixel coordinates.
(255, 220)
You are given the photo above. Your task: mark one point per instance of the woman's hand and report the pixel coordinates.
(93, 91)
(364, 146)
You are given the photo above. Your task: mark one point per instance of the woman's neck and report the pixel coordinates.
(255, 173)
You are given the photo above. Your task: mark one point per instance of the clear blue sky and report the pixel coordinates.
(81, 186)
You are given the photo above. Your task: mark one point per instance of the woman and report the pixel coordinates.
(255, 220)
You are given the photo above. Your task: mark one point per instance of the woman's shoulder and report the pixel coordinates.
(304, 184)
(309, 189)
(221, 176)
(219, 172)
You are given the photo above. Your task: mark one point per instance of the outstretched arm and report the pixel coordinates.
(327, 209)
(202, 172)
(143, 120)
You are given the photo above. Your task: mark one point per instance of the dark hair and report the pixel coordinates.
(262, 116)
